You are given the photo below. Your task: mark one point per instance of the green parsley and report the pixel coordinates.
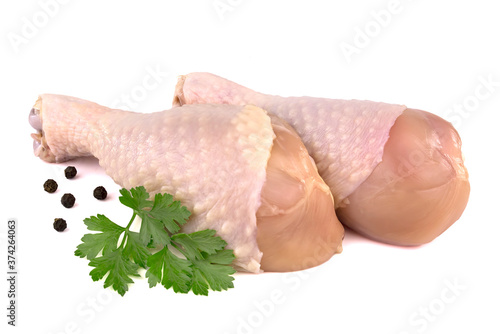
(196, 261)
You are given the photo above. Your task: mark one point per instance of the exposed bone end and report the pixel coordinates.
(296, 223)
(40, 147)
(67, 124)
(35, 120)
(419, 189)
(179, 92)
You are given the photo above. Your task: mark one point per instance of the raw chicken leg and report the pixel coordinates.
(222, 162)
(418, 189)
(396, 174)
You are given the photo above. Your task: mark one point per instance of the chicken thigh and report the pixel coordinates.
(239, 171)
(397, 174)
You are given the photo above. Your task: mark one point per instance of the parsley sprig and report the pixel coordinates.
(196, 261)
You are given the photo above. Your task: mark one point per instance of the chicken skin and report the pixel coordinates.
(239, 171)
(397, 174)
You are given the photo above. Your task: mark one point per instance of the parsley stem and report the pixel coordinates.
(180, 249)
(127, 229)
(131, 220)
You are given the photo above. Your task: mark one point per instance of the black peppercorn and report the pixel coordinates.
(68, 200)
(100, 193)
(50, 186)
(60, 224)
(70, 172)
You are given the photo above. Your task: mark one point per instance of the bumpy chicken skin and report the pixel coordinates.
(396, 174)
(222, 162)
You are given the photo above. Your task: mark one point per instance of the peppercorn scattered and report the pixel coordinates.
(100, 193)
(60, 224)
(70, 172)
(50, 186)
(68, 200)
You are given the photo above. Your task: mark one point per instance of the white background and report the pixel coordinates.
(426, 54)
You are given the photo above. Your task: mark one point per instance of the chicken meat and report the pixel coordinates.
(239, 171)
(397, 174)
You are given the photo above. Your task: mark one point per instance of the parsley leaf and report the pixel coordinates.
(184, 262)
(97, 242)
(169, 270)
(152, 232)
(166, 214)
(136, 198)
(169, 212)
(195, 243)
(136, 250)
(215, 276)
(209, 259)
(119, 267)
